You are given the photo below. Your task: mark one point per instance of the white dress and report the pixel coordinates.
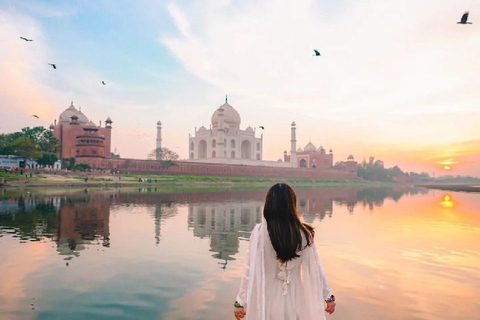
(271, 290)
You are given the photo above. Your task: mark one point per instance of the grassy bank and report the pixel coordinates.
(82, 180)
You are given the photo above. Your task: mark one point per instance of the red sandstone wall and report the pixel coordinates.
(192, 168)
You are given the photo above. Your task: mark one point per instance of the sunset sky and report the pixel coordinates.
(397, 80)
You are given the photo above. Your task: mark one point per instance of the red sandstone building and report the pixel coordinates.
(82, 139)
(311, 157)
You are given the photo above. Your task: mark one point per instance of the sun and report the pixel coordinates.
(447, 168)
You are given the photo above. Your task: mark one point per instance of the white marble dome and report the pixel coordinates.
(230, 116)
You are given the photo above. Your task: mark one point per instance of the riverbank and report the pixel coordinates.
(452, 187)
(96, 179)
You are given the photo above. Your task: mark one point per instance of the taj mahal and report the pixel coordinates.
(226, 143)
(224, 140)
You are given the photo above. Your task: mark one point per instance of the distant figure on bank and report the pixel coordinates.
(283, 278)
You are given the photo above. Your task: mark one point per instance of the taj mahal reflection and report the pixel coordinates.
(80, 220)
(225, 224)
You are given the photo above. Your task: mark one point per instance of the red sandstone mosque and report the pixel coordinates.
(80, 138)
(223, 149)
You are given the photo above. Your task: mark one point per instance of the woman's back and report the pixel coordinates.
(283, 278)
(284, 293)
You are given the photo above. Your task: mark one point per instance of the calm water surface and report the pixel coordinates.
(388, 253)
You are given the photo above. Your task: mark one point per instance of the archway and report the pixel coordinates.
(246, 149)
(303, 163)
(202, 149)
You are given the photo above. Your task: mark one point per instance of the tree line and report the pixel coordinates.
(375, 170)
(36, 143)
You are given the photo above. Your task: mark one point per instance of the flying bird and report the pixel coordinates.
(464, 19)
(103, 82)
(26, 39)
(35, 116)
(316, 53)
(53, 65)
(262, 127)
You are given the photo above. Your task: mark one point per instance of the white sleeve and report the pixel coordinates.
(242, 292)
(326, 293)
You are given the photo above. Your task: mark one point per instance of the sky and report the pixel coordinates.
(396, 80)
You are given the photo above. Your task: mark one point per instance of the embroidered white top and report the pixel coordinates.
(271, 290)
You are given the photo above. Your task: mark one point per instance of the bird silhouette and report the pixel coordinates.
(26, 39)
(464, 19)
(262, 127)
(103, 82)
(53, 65)
(316, 53)
(35, 116)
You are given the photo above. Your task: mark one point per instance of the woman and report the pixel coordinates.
(283, 278)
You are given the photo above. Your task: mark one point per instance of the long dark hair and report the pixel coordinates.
(284, 225)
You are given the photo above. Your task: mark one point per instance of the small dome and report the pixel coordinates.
(52, 127)
(350, 157)
(108, 120)
(331, 151)
(230, 116)
(202, 129)
(279, 160)
(249, 129)
(66, 115)
(159, 123)
(321, 149)
(299, 150)
(310, 147)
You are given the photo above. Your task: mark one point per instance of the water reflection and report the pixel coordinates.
(147, 254)
(447, 201)
(79, 219)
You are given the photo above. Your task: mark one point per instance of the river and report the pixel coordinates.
(388, 253)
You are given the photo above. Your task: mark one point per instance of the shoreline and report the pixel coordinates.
(96, 180)
(452, 187)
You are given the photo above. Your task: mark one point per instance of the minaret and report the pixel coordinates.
(159, 139)
(221, 134)
(293, 147)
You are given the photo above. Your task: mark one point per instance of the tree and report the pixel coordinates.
(47, 158)
(163, 154)
(39, 142)
(166, 157)
(26, 148)
(44, 137)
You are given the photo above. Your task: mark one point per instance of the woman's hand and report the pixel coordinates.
(239, 313)
(330, 307)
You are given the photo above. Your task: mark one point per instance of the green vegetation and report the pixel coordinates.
(376, 171)
(36, 143)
